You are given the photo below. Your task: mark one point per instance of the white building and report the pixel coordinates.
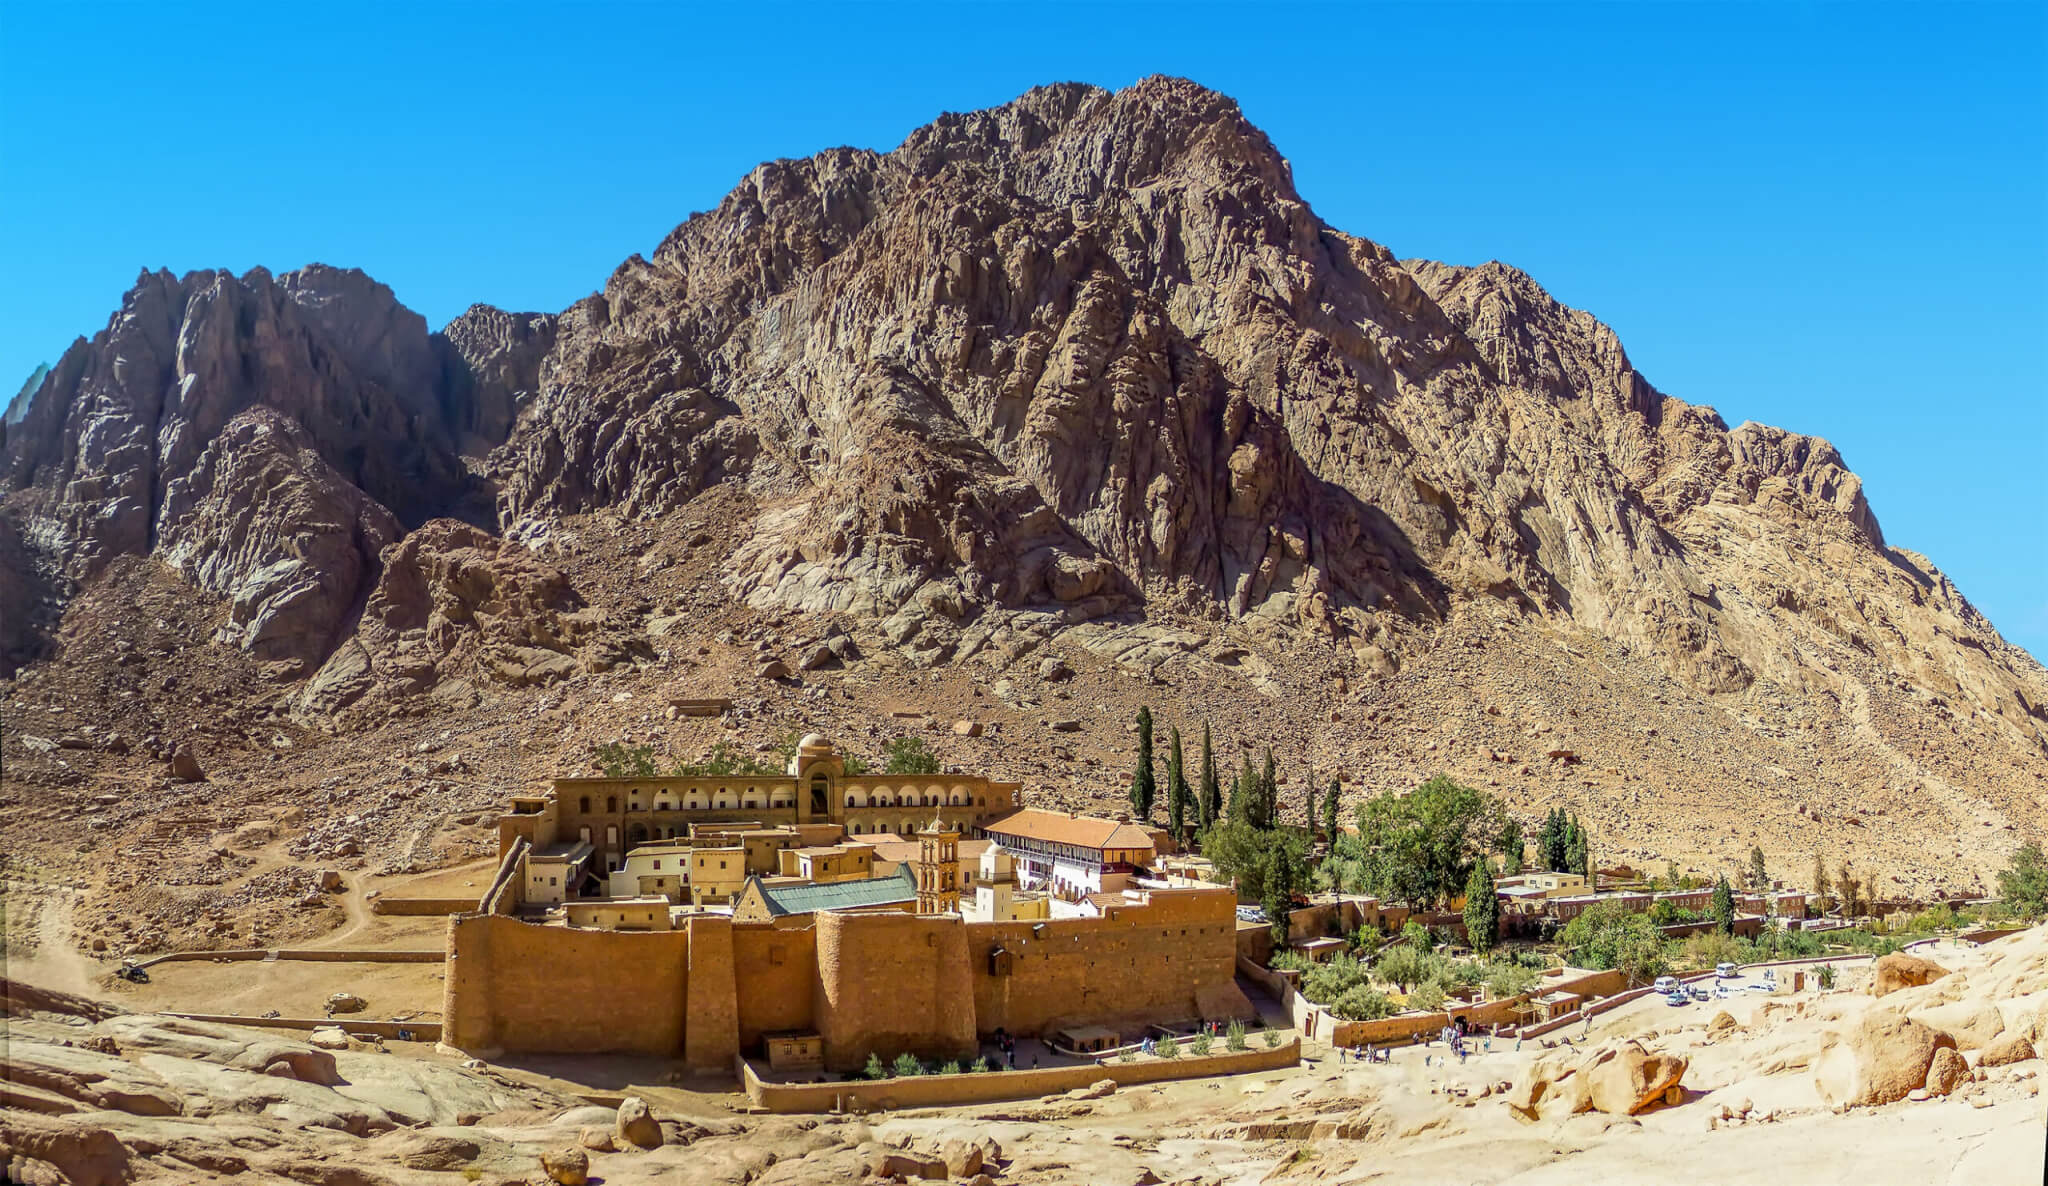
(1072, 856)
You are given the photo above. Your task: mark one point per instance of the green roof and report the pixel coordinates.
(838, 895)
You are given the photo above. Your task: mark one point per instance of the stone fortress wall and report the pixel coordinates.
(868, 983)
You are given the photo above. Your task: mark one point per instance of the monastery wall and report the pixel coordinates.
(516, 987)
(1172, 959)
(893, 983)
(776, 971)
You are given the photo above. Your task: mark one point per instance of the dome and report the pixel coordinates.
(814, 743)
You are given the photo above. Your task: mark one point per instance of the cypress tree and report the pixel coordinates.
(1269, 793)
(1512, 853)
(1482, 910)
(1177, 794)
(1724, 906)
(1245, 802)
(1143, 789)
(1331, 807)
(1212, 790)
(1311, 796)
(1235, 812)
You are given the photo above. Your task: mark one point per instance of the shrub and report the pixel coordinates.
(1427, 996)
(909, 755)
(981, 1066)
(619, 760)
(874, 1069)
(907, 1065)
(1199, 1045)
(952, 1067)
(1510, 980)
(1826, 976)
(1272, 1038)
(1127, 1054)
(1166, 1047)
(1233, 1038)
(1362, 1004)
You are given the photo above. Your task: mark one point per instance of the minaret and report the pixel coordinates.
(937, 868)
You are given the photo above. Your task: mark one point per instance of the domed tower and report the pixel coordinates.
(937, 868)
(817, 769)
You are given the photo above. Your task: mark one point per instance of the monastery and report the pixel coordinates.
(710, 918)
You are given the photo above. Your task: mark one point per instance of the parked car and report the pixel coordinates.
(1665, 984)
(1699, 994)
(1726, 971)
(1677, 997)
(1764, 987)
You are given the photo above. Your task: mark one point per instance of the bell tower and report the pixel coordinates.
(937, 868)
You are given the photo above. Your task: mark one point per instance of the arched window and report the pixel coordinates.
(849, 800)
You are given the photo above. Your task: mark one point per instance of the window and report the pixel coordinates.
(583, 805)
(611, 802)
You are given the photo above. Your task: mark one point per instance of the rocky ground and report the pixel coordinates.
(1937, 1079)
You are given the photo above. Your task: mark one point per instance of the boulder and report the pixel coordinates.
(330, 881)
(1947, 1072)
(433, 1152)
(346, 1002)
(330, 1037)
(967, 728)
(80, 1154)
(1973, 1024)
(185, 764)
(1630, 1079)
(1877, 1060)
(1722, 1025)
(907, 1165)
(598, 1139)
(635, 1126)
(963, 1159)
(1899, 970)
(2008, 1047)
(773, 669)
(1054, 671)
(566, 1167)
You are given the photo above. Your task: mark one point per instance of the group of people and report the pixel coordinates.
(1455, 1035)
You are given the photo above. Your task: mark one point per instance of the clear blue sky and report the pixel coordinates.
(1832, 217)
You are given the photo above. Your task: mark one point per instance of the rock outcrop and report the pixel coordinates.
(1879, 1059)
(1897, 970)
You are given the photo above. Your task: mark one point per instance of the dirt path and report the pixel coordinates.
(54, 963)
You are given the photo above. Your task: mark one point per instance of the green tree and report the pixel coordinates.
(2023, 883)
(1143, 789)
(909, 755)
(906, 1065)
(1419, 848)
(1332, 804)
(1759, 876)
(1582, 851)
(1283, 872)
(616, 759)
(1211, 789)
(1178, 797)
(1268, 791)
(1311, 797)
(1821, 885)
(1724, 906)
(1513, 852)
(1605, 935)
(875, 1069)
(1233, 1037)
(1240, 851)
(1482, 910)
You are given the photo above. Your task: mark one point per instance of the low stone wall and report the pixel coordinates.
(930, 1091)
(321, 955)
(351, 955)
(421, 1031)
(423, 907)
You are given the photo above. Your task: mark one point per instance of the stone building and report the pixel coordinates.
(615, 815)
(1072, 856)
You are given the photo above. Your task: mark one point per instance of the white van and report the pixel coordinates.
(1666, 984)
(1725, 971)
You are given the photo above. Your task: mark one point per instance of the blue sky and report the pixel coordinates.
(1832, 217)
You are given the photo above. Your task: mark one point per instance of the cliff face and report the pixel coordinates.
(1084, 362)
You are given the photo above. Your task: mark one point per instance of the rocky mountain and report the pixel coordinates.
(1081, 374)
